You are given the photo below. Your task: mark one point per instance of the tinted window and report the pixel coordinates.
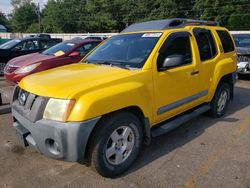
(130, 50)
(45, 44)
(176, 44)
(28, 45)
(59, 49)
(226, 41)
(9, 44)
(86, 48)
(242, 40)
(206, 44)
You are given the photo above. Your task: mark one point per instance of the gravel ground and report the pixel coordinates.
(202, 153)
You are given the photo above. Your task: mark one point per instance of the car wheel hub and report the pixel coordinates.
(222, 101)
(120, 145)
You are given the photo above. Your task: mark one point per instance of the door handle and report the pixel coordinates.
(194, 72)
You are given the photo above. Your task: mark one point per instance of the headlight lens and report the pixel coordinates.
(27, 69)
(58, 109)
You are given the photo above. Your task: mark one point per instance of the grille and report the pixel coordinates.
(29, 105)
(10, 68)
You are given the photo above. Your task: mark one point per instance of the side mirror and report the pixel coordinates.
(74, 54)
(171, 61)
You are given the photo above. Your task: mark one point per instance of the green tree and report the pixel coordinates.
(3, 19)
(231, 14)
(24, 14)
(33, 28)
(53, 17)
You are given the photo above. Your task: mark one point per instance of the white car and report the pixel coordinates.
(242, 42)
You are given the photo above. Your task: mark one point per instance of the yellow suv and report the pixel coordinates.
(142, 83)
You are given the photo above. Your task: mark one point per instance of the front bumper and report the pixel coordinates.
(58, 140)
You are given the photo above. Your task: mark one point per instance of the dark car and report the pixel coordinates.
(64, 53)
(18, 47)
(242, 42)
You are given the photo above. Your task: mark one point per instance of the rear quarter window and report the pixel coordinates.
(226, 41)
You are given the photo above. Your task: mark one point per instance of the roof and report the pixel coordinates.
(167, 24)
(78, 40)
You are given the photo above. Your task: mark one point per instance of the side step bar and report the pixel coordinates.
(170, 125)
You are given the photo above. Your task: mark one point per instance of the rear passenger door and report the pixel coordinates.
(208, 56)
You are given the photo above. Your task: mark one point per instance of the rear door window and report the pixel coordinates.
(226, 41)
(45, 44)
(86, 48)
(206, 43)
(28, 45)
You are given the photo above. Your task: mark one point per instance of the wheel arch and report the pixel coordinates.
(135, 110)
(229, 79)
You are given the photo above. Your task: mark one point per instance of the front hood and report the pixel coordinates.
(67, 81)
(243, 50)
(29, 59)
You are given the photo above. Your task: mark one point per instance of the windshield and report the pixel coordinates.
(59, 49)
(130, 50)
(9, 44)
(242, 41)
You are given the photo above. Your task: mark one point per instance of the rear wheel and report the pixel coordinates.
(116, 144)
(220, 101)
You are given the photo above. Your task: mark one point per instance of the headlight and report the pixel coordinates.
(27, 69)
(58, 109)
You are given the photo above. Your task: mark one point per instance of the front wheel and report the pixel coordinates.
(116, 144)
(220, 101)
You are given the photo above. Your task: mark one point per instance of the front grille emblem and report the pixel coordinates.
(22, 98)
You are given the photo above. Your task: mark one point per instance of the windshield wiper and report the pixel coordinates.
(116, 65)
(112, 64)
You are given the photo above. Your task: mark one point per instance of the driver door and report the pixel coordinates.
(177, 89)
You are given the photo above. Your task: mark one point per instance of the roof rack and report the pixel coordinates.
(167, 24)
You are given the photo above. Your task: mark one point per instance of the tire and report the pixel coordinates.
(110, 155)
(220, 101)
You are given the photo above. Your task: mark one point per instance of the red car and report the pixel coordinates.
(64, 53)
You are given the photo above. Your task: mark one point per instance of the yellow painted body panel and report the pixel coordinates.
(101, 89)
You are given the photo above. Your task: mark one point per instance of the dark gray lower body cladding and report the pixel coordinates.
(54, 139)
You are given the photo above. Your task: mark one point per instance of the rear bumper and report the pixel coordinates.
(58, 140)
